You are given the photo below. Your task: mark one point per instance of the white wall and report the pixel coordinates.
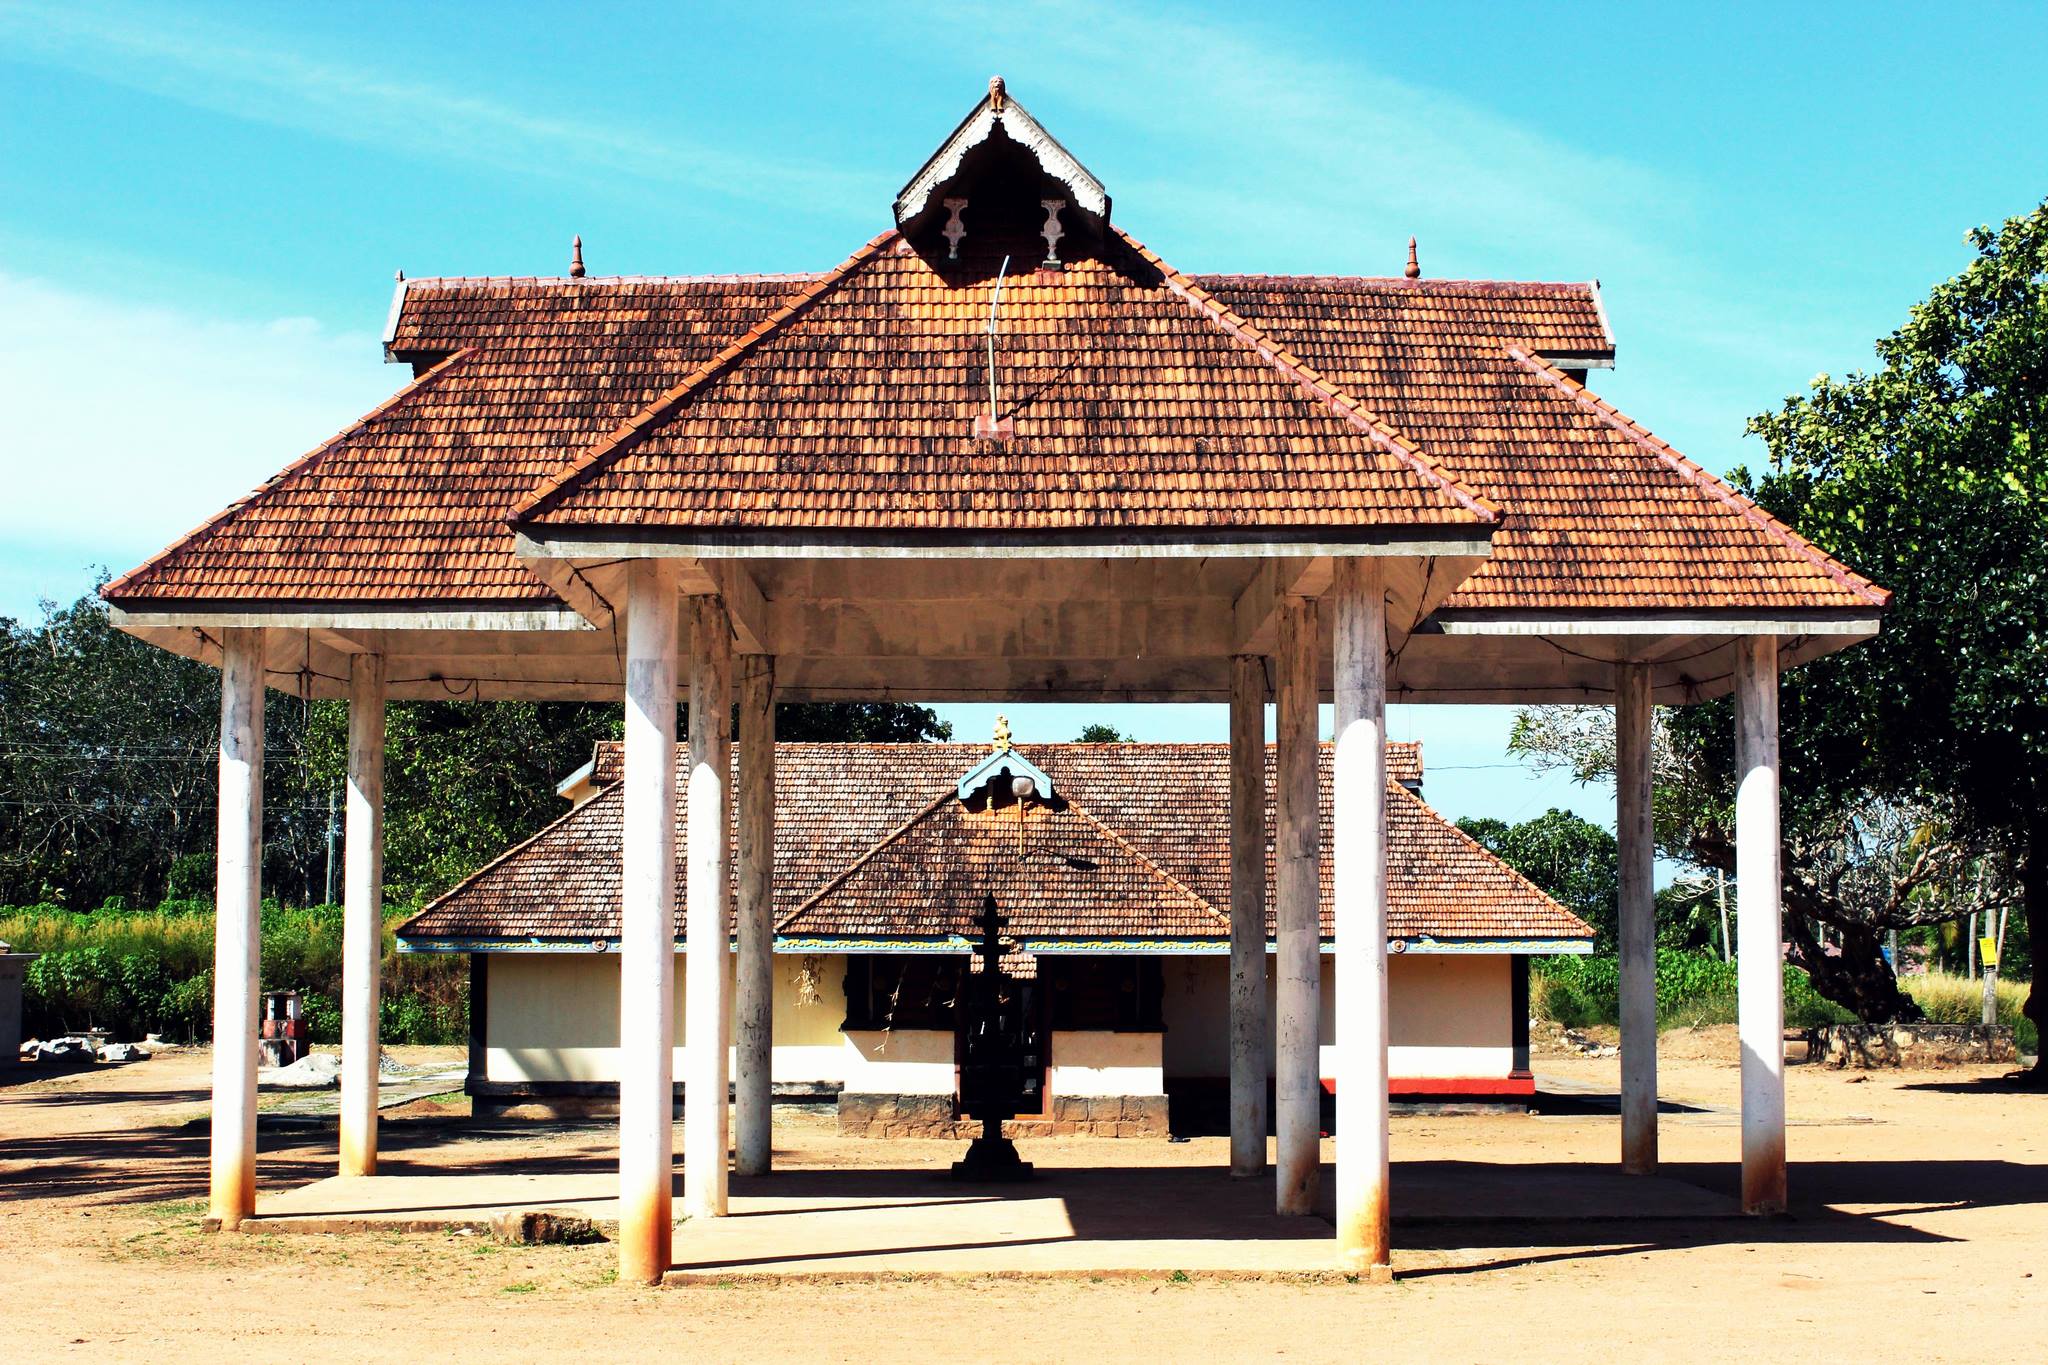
(1449, 1015)
(1097, 1064)
(555, 1017)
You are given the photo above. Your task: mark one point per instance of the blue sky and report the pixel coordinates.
(201, 207)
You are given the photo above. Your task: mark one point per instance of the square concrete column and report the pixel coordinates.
(647, 929)
(1358, 855)
(236, 933)
(362, 931)
(1638, 918)
(1760, 943)
(707, 996)
(1297, 892)
(1248, 1011)
(754, 1022)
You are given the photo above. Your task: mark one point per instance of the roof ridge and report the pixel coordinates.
(587, 281)
(419, 385)
(1397, 283)
(1699, 476)
(841, 877)
(1312, 381)
(1489, 855)
(611, 447)
(1148, 862)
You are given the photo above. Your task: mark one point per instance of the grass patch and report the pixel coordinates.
(1951, 999)
(523, 1287)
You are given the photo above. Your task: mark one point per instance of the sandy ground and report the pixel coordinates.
(1919, 1231)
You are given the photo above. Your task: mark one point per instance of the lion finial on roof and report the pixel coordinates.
(1002, 734)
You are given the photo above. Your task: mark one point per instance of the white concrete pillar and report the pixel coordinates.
(754, 1023)
(1637, 914)
(1358, 853)
(1248, 1012)
(647, 925)
(362, 932)
(708, 997)
(1298, 1087)
(1759, 931)
(236, 935)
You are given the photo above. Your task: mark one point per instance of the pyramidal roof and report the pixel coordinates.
(1007, 360)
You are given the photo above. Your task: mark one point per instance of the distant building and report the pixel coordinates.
(1113, 881)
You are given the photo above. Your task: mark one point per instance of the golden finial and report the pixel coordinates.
(1002, 734)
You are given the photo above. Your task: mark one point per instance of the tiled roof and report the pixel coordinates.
(409, 504)
(1137, 403)
(1055, 871)
(1597, 513)
(868, 836)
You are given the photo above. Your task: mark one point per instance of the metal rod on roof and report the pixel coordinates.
(995, 302)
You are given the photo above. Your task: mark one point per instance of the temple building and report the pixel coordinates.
(1003, 451)
(1113, 881)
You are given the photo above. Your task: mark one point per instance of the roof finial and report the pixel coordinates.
(1414, 270)
(1002, 734)
(576, 258)
(997, 95)
(401, 275)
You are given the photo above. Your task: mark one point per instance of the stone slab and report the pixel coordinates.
(1070, 1220)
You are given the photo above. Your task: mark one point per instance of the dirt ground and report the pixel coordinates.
(1919, 1231)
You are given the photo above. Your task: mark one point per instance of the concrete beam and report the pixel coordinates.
(1255, 614)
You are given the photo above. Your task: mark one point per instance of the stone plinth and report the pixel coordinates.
(897, 1116)
(1912, 1046)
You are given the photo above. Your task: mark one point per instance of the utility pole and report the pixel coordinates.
(1721, 895)
(332, 835)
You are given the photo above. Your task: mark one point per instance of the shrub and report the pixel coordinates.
(136, 972)
(1694, 988)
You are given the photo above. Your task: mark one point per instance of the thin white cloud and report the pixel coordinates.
(234, 72)
(122, 427)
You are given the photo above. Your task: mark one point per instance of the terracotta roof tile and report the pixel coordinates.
(870, 839)
(1135, 405)
(408, 505)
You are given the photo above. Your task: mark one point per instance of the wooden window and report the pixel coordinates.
(1104, 994)
(902, 991)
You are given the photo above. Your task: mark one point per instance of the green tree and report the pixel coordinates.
(1930, 474)
(1857, 863)
(1573, 861)
(1098, 733)
(466, 780)
(108, 765)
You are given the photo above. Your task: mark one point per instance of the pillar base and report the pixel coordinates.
(992, 1160)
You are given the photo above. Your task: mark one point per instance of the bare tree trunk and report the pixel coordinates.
(1856, 976)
